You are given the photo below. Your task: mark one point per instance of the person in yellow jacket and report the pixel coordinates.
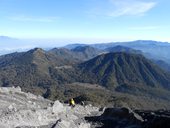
(72, 102)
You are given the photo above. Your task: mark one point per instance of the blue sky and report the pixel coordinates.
(88, 21)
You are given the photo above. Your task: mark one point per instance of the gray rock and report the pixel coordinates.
(121, 113)
(57, 107)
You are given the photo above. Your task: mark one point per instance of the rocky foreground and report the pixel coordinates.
(25, 110)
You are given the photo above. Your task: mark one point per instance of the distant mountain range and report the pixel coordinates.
(120, 48)
(79, 53)
(9, 45)
(152, 49)
(158, 51)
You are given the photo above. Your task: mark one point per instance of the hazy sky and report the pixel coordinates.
(86, 20)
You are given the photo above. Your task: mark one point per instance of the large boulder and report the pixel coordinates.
(70, 124)
(121, 113)
(63, 124)
(158, 122)
(155, 119)
(84, 125)
(57, 107)
(116, 118)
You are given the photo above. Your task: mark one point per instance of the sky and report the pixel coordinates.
(85, 21)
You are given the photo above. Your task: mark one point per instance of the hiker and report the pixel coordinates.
(72, 102)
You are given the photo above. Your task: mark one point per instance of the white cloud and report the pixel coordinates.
(116, 8)
(130, 7)
(33, 19)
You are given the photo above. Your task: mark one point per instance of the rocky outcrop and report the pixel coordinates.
(126, 118)
(120, 113)
(155, 119)
(117, 117)
(25, 110)
(58, 107)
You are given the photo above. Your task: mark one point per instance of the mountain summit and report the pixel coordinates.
(115, 69)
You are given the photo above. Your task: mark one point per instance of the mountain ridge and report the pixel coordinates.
(124, 67)
(109, 76)
(154, 49)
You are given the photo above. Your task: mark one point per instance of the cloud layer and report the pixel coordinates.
(130, 7)
(116, 8)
